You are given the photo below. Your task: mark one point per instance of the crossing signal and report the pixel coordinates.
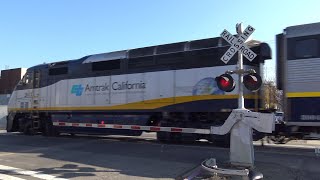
(225, 82)
(252, 81)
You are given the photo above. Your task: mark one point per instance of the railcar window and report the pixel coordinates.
(106, 65)
(206, 43)
(170, 48)
(141, 52)
(147, 61)
(169, 59)
(308, 48)
(58, 71)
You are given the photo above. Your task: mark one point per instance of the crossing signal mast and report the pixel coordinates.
(241, 121)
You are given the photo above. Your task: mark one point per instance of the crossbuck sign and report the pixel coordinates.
(238, 44)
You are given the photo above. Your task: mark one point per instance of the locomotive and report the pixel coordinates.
(170, 85)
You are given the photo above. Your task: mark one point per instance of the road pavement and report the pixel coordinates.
(120, 157)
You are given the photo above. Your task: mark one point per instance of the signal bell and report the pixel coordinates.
(252, 81)
(225, 82)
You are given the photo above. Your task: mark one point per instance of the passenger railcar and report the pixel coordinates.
(298, 75)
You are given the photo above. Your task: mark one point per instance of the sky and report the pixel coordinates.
(35, 31)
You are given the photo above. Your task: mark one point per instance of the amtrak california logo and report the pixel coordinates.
(88, 89)
(77, 89)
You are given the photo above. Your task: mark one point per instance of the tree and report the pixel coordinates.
(272, 97)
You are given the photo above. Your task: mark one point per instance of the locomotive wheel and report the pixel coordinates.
(278, 139)
(188, 138)
(49, 129)
(28, 130)
(163, 136)
(21, 124)
(175, 137)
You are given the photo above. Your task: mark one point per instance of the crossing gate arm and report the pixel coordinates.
(134, 127)
(260, 121)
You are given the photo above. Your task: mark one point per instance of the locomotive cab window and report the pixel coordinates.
(23, 80)
(26, 79)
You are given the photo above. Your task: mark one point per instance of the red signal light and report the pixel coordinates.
(225, 82)
(252, 81)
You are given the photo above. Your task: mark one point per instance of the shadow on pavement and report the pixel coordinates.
(107, 155)
(71, 171)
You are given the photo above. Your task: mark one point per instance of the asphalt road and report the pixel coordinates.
(118, 157)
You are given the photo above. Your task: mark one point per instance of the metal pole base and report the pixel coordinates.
(210, 171)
